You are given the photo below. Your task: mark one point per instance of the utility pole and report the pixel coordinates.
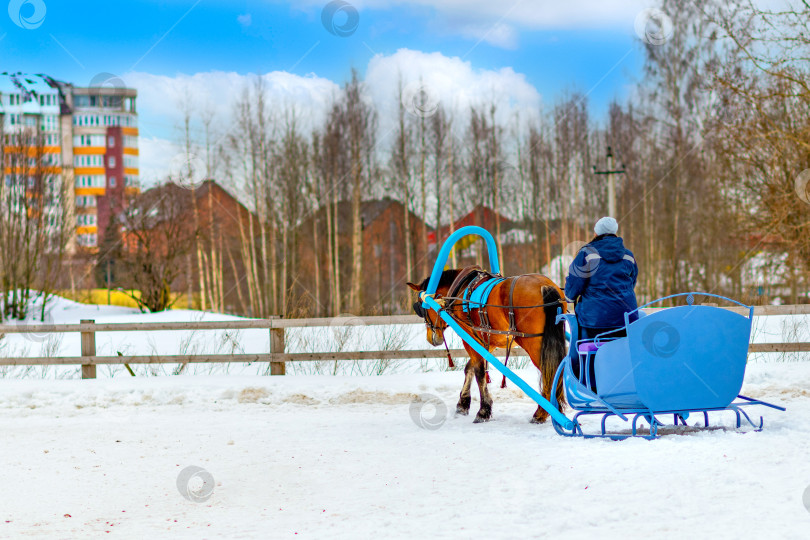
(610, 172)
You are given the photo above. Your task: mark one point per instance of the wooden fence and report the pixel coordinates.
(277, 356)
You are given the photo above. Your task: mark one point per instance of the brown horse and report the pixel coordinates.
(535, 299)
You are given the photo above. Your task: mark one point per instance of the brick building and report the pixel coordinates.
(384, 258)
(527, 246)
(219, 214)
(90, 137)
(220, 235)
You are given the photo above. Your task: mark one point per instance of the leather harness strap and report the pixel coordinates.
(513, 331)
(483, 327)
(512, 325)
(464, 278)
(470, 278)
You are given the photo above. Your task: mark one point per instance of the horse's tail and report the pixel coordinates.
(552, 350)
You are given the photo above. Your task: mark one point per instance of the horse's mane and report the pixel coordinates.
(448, 276)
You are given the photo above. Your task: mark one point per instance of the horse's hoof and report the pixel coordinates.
(536, 420)
(479, 419)
(460, 411)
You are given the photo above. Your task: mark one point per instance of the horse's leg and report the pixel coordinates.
(532, 346)
(479, 368)
(464, 399)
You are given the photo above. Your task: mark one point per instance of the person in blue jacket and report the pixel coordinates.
(601, 282)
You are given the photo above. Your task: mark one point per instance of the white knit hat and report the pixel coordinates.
(606, 225)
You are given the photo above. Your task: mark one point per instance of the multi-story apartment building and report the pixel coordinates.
(91, 136)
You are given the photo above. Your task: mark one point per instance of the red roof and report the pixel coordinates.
(480, 215)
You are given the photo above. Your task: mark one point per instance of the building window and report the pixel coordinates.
(88, 161)
(111, 142)
(112, 181)
(86, 220)
(86, 201)
(90, 181)
(112, 161)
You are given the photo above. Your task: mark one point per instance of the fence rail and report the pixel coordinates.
(277, 356)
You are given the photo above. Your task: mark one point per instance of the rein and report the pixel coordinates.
(417, 307)
(484, 328)
(482, 305)
(449, 302)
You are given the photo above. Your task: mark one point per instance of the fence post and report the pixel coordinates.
(277, 346)
(88, 349)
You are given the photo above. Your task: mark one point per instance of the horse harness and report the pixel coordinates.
(464, 296)
(461, 291)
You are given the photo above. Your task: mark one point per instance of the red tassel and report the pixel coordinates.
(450, 361)
(503, 382)
(488, 379)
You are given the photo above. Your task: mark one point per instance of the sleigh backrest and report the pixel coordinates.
(687, 357)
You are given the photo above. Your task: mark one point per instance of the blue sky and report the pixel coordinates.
(114, 37)
(585, 45)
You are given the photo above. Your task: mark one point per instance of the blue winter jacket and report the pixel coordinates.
(603, 276)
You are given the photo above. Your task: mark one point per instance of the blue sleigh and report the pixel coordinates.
(673, 362)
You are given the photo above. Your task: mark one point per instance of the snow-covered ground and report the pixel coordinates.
(345, 457)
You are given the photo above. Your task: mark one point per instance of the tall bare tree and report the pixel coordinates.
(157, 235)
(36, 220)
(360, 120)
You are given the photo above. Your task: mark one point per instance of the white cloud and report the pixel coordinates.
(498, 23)
(245, 20)
(161, 99)
(156, 154)
(499, 34)
(453, 82)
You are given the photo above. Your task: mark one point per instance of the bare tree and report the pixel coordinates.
(292, 170)
(440, 134)
(157, 234)
(35, 217)
(360, 121)
(401, 164)
(762, 137)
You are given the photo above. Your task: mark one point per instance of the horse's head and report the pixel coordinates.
(435, 325)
